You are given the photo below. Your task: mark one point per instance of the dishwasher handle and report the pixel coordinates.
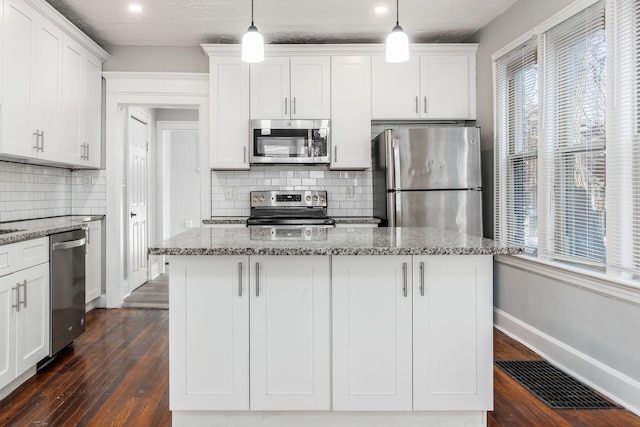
(69, 244)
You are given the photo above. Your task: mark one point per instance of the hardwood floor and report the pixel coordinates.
(118, 375)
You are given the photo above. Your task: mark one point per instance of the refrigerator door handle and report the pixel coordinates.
(391, 208)
(396, 164)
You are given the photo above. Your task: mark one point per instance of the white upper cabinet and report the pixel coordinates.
(351, 112)
(91, 141)
(296, 87)
(43, 82)
(229, 101)
(432, 85)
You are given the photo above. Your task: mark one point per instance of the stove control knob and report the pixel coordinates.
(322, 198)
(307, 232)
(308, 198)
(262, 198)
(315, 198)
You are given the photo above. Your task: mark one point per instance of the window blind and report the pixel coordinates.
(516, 146)
(623, 140)
(574, 61)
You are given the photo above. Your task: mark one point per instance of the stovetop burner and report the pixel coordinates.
(289, 208)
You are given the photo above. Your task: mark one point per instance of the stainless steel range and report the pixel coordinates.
(289, 214)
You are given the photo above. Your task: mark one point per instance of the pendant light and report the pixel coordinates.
(397, 42)
(252, 43)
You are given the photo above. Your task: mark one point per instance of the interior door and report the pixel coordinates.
(137, 199)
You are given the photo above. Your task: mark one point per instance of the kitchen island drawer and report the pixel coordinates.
(21, 255)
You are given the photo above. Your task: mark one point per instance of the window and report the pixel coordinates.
(516, 77)
(574, 138)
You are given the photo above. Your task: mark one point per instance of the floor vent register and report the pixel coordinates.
(552, 386)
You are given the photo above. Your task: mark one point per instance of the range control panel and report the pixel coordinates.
(289, 198)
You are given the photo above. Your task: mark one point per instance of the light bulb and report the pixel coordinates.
(252, 46)
(397, 45)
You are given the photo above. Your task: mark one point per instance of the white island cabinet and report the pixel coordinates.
(371, 326)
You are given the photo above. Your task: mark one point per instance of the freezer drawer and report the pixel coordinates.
(456, 210)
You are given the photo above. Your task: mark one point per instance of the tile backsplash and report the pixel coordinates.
(336, 183)
(32, 191)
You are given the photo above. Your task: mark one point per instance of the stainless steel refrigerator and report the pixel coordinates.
(428, 177)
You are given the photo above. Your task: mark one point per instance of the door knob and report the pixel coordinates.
(133, 214)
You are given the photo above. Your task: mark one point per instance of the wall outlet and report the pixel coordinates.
(230, 192)
(189, 224)
(350, 190)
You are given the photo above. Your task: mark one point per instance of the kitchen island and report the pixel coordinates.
(361, 326)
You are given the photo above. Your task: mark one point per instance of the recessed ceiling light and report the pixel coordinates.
(135, 8)
(381, 9)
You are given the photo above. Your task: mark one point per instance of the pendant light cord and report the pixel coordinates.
(252, 13)
(397, 11)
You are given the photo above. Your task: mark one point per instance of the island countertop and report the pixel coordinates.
(338, 241)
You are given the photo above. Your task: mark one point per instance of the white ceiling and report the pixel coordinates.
(191, 22)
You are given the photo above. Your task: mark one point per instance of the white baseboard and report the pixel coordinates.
(608, 381)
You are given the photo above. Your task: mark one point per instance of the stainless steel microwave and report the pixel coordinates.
(290, 141)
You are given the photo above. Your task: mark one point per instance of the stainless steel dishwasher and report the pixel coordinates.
(67, 282)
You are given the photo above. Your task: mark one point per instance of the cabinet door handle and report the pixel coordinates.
(88, 230)
(244, 154)
(422, 278)
(24, 285)
(404, 274)
(240, 279)
(294, 105)
(257, 279)
(335, 153)
(17, 304)
(286, 101)
(425, 105)
(417, 111)
(37, 135)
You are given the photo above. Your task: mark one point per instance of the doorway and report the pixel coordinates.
(155, 91)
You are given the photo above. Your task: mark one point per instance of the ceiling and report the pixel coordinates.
(192, 22)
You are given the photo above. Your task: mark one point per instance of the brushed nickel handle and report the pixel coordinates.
(294, 105)
(257, 279)
(404, 274)
(240, 281)
(24, 285)
(335, 153)
(286, 101)
(17, 304)
(417, 111)
(425, 104)
(244, 154)
(422, 278)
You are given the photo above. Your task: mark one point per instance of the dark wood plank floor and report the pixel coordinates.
(117, 375)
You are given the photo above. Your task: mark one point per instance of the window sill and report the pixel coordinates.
(618, 289)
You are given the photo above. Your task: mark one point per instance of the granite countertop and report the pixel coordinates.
(338, 219)
(338, 241)
(35, 228)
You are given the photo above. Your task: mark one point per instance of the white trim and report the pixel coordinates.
(608, 381)
(341, 49)
(513, 45)
(152, 90)
(563, 15)
(622, 290)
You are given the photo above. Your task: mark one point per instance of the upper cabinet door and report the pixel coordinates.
(444, 87)
(91, 113)
(310, 87)
(395, 89)
(351, 112)
(270, 93)
(71, 123)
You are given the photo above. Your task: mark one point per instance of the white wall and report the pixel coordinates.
(188, 59)
(594, 336)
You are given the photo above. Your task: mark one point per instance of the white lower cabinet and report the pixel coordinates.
(213, 300)
(290, 333)
(93, 273)
(426, 348)
(371, 309)
(453, 332)
(24, 321)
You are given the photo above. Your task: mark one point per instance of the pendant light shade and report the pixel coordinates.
(252, 43)
(397, 42)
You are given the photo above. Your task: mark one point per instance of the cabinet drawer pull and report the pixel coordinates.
(17, 304)
(24, 285)
(257, 279)
(422, 278)
(286, 101)
(404, 274)
(239, 279)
